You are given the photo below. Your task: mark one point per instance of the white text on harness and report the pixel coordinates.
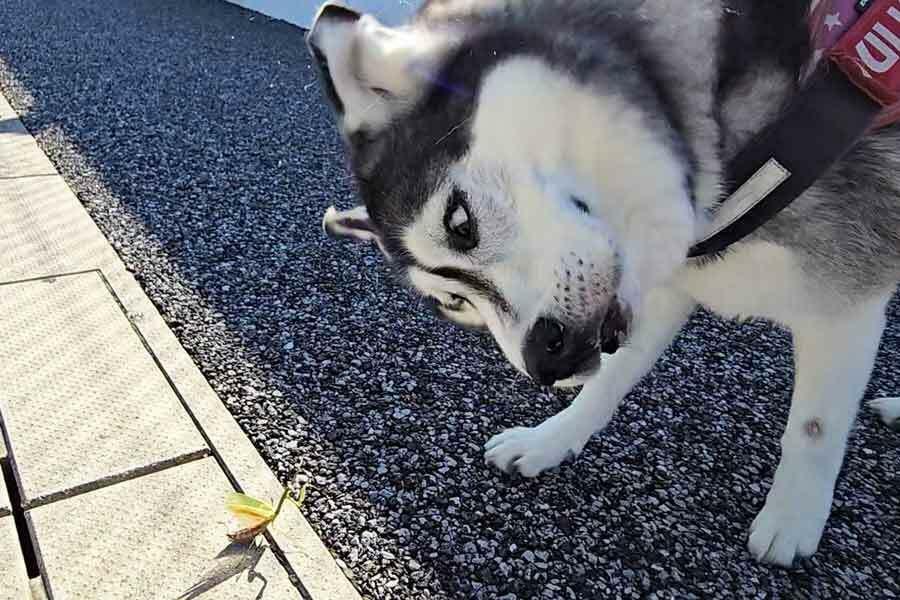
(885, 42)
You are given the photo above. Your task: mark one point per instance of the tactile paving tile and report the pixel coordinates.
(13, 578)
(83, 400)
(44, 230)
(157, 536)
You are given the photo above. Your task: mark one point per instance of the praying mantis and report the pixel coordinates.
(254, 516)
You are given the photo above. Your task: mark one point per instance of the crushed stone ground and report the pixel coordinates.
(195, 135)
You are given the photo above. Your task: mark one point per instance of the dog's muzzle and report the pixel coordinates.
(554, 351)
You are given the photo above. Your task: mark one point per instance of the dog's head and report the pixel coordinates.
(524, 182)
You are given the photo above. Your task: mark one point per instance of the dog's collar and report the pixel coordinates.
(854, 88)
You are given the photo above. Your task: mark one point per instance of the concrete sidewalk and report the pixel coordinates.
(117, 454)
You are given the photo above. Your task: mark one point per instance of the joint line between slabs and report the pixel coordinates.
(277, 551)
(116, 478)
(29, 176)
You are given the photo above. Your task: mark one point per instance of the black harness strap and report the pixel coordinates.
(822, 123)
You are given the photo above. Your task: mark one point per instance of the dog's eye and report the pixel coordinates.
(456, 303)
(460, 226)
(383, 93)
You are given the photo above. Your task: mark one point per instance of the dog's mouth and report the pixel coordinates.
(583, 373)
(612, 334)
(615, 327)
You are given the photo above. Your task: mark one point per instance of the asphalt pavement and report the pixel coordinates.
(195, 135)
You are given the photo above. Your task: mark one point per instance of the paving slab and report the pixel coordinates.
(14, 583)
(45, 231)
(17, 148)
(89, 405)
(321, 577)
(157, 536)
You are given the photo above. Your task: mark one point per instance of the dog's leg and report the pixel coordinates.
(530, 450)
(834, 359)
(889, 411)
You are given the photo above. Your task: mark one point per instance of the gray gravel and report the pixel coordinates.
(194, 134)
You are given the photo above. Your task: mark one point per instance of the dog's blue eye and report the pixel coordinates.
(458, 222)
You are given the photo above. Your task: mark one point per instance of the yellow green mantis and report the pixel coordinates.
(254, 516)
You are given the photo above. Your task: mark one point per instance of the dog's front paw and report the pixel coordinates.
(784, 530)
(531, 450)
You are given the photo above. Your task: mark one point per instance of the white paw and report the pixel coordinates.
(531, 450)
(785, 530)
(889, 411)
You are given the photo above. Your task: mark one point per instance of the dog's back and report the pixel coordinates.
(846, 228)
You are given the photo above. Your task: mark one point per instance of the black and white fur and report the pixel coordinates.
(541, 167)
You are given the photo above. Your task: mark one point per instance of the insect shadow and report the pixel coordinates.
(231, 561)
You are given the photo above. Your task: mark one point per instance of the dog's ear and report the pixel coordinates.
(354, 224)
(370, 72)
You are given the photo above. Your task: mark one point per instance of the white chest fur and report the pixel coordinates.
(756, 279)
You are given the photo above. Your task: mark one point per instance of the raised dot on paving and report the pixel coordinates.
(44, 230)
(158, 536)
(90, 406)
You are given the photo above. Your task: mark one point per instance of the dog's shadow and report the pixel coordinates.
(231, 561)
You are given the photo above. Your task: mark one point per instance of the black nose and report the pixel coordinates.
(547, 354)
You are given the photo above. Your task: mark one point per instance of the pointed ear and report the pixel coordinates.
(370, 72)
(354, 223)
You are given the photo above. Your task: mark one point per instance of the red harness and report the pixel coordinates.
(851, 87)
(862, 37)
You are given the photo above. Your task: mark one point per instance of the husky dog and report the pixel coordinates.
(540, 168)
